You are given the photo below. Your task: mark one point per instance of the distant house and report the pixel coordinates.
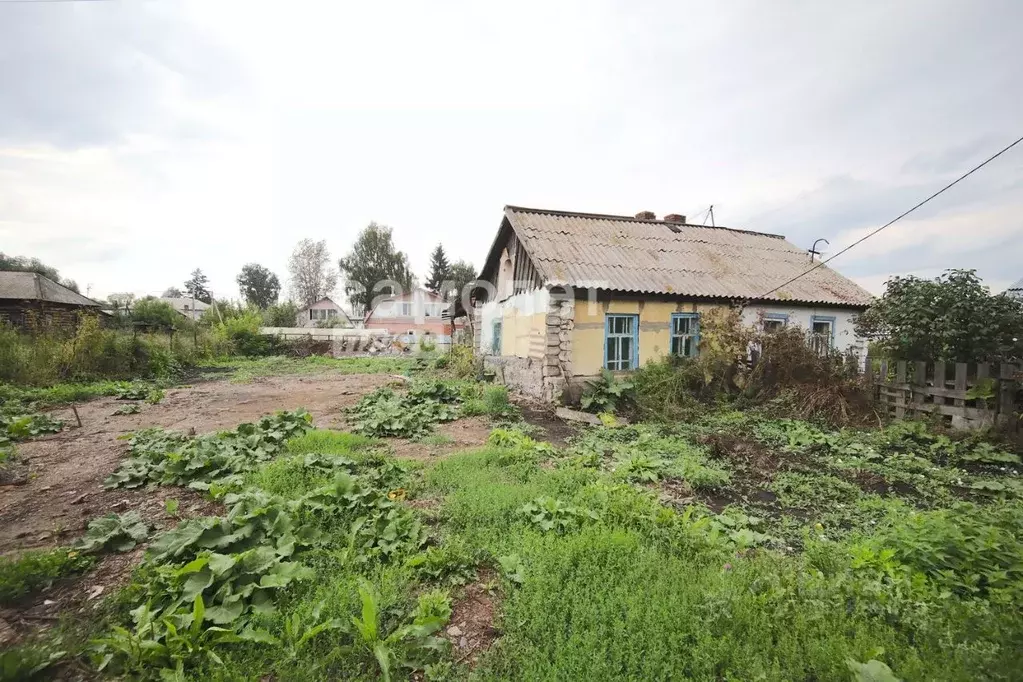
(28, 299)
(413, 316)
(323, 312)
(191, 308)
(1016, 290)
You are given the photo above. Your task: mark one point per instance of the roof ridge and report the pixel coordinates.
(633, 219)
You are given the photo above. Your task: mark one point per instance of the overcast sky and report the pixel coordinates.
(142, 139)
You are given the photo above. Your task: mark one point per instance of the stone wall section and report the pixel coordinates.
(557, 363)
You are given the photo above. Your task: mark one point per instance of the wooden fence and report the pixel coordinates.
(968, 395)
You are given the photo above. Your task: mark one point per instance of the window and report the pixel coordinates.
(775, 322)
(406, 308)
(495, 338)
(621, 342)
(433, 309)
(322, 314)
(685, 334)
(822, 333)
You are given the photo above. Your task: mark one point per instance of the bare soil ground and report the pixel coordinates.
(471, 630)
(58, 488)
(64, 485)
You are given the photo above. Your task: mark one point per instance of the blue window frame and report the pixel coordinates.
(775, 322)
(822, 333)
(621, 342)
(685, 334)
(495, 338)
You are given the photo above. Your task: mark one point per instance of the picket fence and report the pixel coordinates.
(968, 395)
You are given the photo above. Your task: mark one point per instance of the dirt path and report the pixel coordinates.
(66, 471)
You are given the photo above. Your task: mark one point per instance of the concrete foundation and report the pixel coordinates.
(524, 375)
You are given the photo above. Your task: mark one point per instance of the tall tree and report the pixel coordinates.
(440, 269)
(951, 318)
(196, 286)
(312, 276)
(460, 275)
(373, 261)
(258, 285)
(26, 264)
(171, 292)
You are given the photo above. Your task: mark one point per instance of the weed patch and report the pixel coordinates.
(35, 570)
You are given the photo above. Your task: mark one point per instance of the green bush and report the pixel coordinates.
(151, 310)
(607, 393)
(283, 314)
(242, 331)
(462, 362)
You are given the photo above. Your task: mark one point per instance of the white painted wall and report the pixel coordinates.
(526, 303)
(845, 336)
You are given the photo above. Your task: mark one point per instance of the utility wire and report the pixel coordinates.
(895, 220)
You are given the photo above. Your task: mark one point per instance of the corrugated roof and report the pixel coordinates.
(658, 257)
(31, 286)
(1016, 290)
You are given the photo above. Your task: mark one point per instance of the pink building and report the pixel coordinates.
(413, 317)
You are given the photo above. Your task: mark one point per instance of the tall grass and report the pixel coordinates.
(92, 353)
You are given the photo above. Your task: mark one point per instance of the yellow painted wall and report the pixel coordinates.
(524, 336)
(654, 330)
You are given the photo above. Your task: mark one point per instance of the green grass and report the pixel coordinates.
(644, 591)
(332, 442)
(59, 393)
(603, 574)
(34, 570)
(247, 369)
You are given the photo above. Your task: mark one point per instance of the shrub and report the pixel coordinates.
(242, 330)
(607, 393)
(283, 314)
(740, 363)
(463, 363)
(151, 310)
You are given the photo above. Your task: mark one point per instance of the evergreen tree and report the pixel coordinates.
(440, 269)
(196, 286)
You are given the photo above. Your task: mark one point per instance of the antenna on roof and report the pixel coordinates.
(710, 214)
(814, 251)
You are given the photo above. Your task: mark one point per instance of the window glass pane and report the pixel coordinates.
(627, 323)
(610, 352)
(773, 325)
(676, 345)
(822, 328)
(687, 345)
(625, 354)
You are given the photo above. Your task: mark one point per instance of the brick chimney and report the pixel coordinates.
(646, 215)
(674, 218)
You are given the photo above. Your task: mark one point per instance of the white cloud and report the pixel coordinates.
(144, 140)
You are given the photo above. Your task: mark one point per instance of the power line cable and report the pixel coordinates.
(897, 219)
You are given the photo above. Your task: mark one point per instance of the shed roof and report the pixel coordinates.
(1016, 290)
(31, 286)
(622, 253)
